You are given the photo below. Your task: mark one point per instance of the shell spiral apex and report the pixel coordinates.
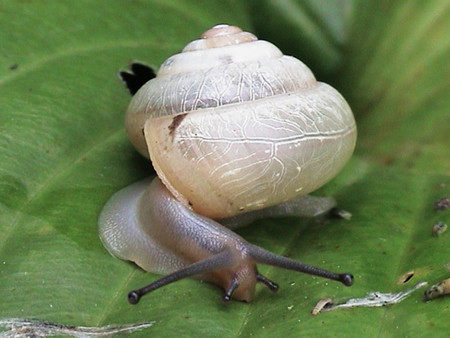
(220, 36)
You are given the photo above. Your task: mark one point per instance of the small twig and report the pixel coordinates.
(20, 327)
(373, 299)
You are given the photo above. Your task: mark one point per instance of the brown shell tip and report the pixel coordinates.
(220, 30)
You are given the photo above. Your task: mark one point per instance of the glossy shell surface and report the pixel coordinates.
(233, 125)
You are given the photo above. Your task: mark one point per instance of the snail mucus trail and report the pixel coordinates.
(236, 131)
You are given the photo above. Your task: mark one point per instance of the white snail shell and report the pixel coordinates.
(233, 125)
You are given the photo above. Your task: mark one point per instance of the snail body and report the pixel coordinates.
(235, 131)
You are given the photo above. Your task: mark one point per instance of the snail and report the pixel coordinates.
(236, 131)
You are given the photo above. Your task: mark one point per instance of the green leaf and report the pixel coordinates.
(64, 151)
(313, 30)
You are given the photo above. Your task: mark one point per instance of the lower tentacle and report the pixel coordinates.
(272, 286)
(230, 290)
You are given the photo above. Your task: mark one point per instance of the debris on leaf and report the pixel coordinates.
(442, 204)
(373, 299)
(321, 304)
(406, 277)
(439, 228)
(20, 327)
(339, 213)
(438, 290)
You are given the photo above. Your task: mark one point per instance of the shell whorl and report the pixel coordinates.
(220, 36)
(218, 46)
(233, 125)
(237, 68)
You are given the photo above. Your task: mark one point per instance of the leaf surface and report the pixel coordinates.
(64, 151)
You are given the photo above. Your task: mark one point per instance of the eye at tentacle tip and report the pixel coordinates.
(346, 279)
(133, 297)
(226, 298)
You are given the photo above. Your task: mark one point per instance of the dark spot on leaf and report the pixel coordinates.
(406, 277)
(138, 75)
